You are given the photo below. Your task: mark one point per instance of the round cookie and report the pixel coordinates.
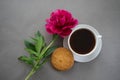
(62, 59)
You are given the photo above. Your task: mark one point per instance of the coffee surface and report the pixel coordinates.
(82, 41)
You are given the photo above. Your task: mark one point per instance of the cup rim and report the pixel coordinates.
(90, 28)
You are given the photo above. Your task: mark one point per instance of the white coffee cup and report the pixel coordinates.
(94, 52)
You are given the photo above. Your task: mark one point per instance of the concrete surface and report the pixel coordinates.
(19, 19)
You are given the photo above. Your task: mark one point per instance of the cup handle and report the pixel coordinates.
(99, 36)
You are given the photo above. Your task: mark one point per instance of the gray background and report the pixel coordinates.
(19, 19)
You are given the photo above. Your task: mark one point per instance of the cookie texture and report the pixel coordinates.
(62, 59)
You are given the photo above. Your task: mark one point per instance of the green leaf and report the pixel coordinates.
(27, 60)
(38, 34)
(31, 51)
(29, 45)
(39, 42)
(23, 58)
(34, 39)
(42, 62)
(49, 51)
(33, 57)
(35, 48)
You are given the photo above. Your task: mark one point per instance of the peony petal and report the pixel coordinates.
(65, 32)
(49, 30)
(60, 22)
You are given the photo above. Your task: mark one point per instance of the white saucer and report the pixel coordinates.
(79, 59)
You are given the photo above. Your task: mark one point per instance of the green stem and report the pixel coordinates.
(35, 67)
(54, 39)
(30, 74)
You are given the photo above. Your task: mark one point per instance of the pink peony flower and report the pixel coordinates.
(60, 22)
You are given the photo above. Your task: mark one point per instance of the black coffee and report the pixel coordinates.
(82, 41)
